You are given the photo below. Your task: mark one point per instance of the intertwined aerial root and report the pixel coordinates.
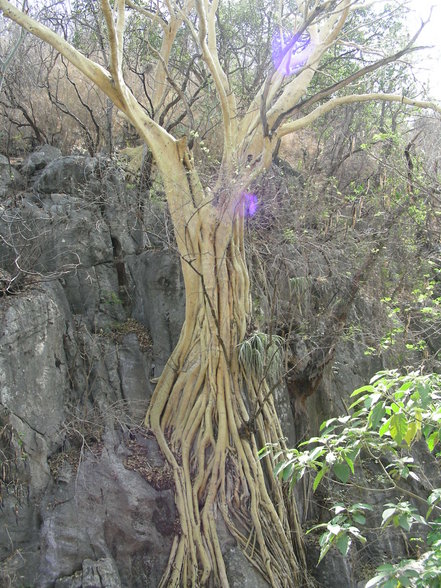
(198, 413)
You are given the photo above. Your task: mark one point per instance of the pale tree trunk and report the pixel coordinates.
(201, 404)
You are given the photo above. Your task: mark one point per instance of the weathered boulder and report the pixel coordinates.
(334, 572)
(102, 572)
(34, 393)
(68, 175)
(33, 367)
(52, 234)
(108, 509)
(240, 572)
(114, 366)
(39, 159)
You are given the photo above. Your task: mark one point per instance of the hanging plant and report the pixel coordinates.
(261, 356)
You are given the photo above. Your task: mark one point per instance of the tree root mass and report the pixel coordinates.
(197, 415)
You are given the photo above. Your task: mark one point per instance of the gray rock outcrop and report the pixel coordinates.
(76, 358)
(90, 311)
(39, 159)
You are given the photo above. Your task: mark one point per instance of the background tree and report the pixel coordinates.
(210, 411)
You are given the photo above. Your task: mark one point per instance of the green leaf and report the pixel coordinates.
(326, 424)
(419, 519)
(435, 496)
(387, 515)
(375, 581)
(412, 432)
(424, 392)
(279, 467)
(314, 528)
(359, 518)
(362, 506)
(318, 477)
(324, 551)
(404, 522)
(288, 472)
(317, 452)
(398, 427)
(367, 388)
(264, 452)
(350, 463)
(412, 573)
(396, 407)
(405, 386)
(334, 529)
(385, 427)
(343, 543)
(357, 402)
(376, 415)
(372, 399)
(342, 471)
(356, 532)
(325, 538)
(432, 440)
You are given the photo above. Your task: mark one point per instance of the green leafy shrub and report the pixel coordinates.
(387, 417)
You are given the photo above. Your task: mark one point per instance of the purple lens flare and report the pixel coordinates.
(244, 205)
(290, 51)
(251, 204)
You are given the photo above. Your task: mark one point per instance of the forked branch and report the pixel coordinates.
(89, 68)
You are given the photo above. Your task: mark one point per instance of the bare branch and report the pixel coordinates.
(207, 42)
(303, 122)
(287, 50)
(4, 63)
(157, 138)
(322, 41)
(175, 86)
(115, 35)
(89, 68)
(153, 16)
(350, 79)
(262, 111)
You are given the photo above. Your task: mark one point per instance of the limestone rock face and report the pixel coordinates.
(67, 174)
(90, 309)
(76, 359)
(39, 159)
(158, 288)
(32, 341)
(103, 507)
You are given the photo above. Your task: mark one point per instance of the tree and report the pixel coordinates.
(209, 412)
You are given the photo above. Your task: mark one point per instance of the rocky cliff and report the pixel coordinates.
(91, 306)
(83, 489)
